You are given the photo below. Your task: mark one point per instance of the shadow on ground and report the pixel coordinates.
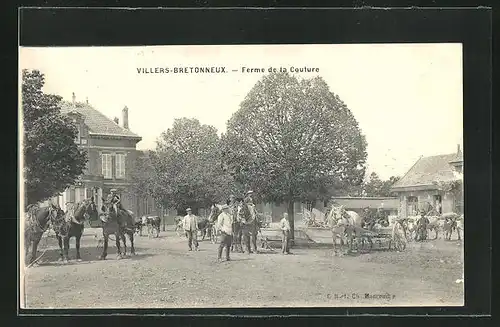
(88, 253)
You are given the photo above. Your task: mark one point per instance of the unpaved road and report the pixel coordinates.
(164, 274)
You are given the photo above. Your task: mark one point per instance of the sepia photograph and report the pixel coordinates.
(241, 176)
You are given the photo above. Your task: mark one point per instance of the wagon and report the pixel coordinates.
(390, 237)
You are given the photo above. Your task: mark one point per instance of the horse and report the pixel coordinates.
(453, 222)
(213, 230)
(344, 225)
(249, 226)
(203, 226)
(178, 225)
(119, 224)
(36, 223)
(153, 223)
(74, 226)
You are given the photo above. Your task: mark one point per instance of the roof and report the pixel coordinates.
(370, 202)
(428, 170)
(96, 121)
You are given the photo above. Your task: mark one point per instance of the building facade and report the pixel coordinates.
(112, 155)
(420, 186)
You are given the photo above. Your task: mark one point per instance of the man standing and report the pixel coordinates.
(115, 200)
(190, 224)
(285, 229)
(250, 229)
(225, 225)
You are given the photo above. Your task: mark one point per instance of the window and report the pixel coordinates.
(72, 195)
(412, 205)
(438, 203)
(120, 165)
(107, 165)
(77, 138)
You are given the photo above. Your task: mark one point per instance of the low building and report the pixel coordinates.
(421, 185)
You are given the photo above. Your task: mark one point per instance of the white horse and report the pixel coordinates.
(344, 225)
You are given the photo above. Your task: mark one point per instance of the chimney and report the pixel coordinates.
(125, 117)
(116, 120)
(87, 100)
(74, 99)
(458, 148)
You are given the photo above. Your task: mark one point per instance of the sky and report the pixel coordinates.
(407, 98)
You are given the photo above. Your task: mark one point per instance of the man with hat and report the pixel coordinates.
(115, 200)
(190, 224)
(248, 199)
(380, 217)
(225, 225)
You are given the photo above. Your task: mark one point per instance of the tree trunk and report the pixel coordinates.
(291, 220)
(163, 218)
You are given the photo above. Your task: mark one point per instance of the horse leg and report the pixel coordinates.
(118, 236)
(132, 248)
(105, 247)
(34, 248)
(66, 248)
(59, 240)
(77, 246)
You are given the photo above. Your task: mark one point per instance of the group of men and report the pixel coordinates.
(229, 228)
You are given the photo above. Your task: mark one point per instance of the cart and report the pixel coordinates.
(390, 237)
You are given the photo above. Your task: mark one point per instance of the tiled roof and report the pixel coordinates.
(97, 122)
(428, 170)
(370, 202)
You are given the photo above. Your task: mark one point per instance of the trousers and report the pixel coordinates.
(225, 241)
(285, 242)
(192, 236)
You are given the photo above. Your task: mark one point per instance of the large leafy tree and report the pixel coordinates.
(52, 159)
(294, 140)
(377, 187)
(186, 169)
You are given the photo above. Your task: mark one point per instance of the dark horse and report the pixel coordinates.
(73, 226)
(36, 223)
(119, 224)
(249, 227)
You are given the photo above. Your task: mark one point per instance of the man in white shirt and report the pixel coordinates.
(285, 229)
(190, 223)
(225, 225)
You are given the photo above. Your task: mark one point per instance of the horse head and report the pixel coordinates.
(58, 219)
(214, 213)
(108, 209)
(336, 216)
(84, 210)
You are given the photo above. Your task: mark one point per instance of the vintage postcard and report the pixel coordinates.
(241, 176)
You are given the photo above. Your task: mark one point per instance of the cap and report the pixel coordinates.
(113, 190)
(188, 209)
(225, 206)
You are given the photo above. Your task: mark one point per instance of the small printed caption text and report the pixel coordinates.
(223, 70)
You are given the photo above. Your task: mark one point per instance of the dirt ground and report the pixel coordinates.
(164, 274)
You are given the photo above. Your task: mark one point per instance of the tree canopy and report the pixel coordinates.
(294, 140)
(186, 169)
(52, 159)
(377, 187)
